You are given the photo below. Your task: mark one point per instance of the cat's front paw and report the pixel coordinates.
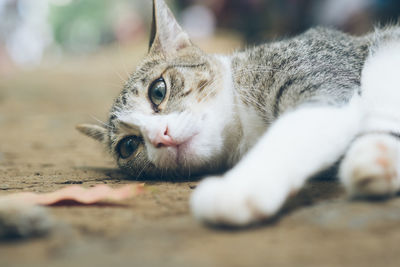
(232, 202)
(371, 167)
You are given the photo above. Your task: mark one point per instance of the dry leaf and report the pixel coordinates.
(78, 195)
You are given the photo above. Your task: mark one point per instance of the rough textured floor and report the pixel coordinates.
(40, 151)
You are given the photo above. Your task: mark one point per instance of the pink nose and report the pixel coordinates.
(163, 139)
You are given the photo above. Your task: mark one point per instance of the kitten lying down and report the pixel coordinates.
(270, 116)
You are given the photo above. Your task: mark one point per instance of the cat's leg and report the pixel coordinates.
(371, 167)
(298, 145)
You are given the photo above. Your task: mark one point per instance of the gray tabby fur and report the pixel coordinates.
(320, 66)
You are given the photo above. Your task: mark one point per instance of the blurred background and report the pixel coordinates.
(33, 30)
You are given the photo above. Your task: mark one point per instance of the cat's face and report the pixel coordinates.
(169, 119)
(174, 115)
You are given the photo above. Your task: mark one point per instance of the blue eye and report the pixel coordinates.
(157, 91)
(127, 146)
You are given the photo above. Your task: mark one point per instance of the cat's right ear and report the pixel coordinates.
(94, 131)
(167, 36)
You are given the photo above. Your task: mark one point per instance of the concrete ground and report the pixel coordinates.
(41, 151)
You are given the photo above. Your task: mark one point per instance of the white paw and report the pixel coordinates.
(235, 202)
(371, 167)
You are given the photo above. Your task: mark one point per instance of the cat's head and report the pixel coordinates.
(175, 114)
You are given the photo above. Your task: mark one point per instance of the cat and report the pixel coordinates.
(267, 117)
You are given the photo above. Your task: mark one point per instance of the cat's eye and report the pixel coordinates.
(157, 91)
(127, 146)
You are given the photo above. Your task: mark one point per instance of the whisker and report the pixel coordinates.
(101, 122)
(146, 164)
(124, 81)
(123, 60)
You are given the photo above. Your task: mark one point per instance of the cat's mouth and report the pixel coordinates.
(179, 156)
(184, 151)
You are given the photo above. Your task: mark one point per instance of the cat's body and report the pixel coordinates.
(277, 113)
(320, 66)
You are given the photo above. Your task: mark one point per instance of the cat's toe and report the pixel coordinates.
(370, 168)
(225, 202)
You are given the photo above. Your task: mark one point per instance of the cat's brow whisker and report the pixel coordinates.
(113, 84)
(123, 60)
(101, 122)
(124, 81)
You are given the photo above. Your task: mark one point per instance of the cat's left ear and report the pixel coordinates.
(94, 131)
(167, 36)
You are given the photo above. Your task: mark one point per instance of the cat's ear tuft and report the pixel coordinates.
(94, 131)
(167, 35)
